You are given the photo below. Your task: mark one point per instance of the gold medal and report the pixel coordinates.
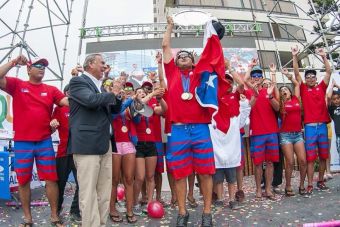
(124, 129)
(148, 131)
(185, 96)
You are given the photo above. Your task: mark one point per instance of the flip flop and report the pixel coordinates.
(289, 192)
(57, 223)
(192, 202)
(26, 224)
(131, 218)
(116, 218)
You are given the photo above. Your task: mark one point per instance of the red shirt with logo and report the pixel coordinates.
(314, 103)
(291, 118)
(183, 111)
(32, 108)
(233, 100)
(62, 114)
(262, 116)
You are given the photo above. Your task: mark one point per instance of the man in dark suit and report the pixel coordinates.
(89, 139)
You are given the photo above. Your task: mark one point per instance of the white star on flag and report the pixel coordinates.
(210, 81)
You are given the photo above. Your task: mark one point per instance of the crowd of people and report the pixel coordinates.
(112, 132)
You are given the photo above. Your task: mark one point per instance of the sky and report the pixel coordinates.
(99, 13)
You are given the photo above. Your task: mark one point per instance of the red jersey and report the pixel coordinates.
(262, 116)
(62, 114)
(32, 108)
(183, 111)
(233, 100)
(145, 129)
(123, 127)
(314, 103)
(157, 121)
(291, 118)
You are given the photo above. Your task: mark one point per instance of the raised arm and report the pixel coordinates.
(236, 77)
(295, 83)
(323, 55)
(295, 52)
(272, 68)
(166, 44)
(20, 60)
(273, 102)
(247, 76)
(160, 70)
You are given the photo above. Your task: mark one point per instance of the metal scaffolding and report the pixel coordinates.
(151, 29)
(59, 15)
(316, 17)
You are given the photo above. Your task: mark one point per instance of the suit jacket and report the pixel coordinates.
(90, 117)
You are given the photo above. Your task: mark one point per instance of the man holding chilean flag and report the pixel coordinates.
(195, 100)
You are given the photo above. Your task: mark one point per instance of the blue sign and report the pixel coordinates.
(4, 176)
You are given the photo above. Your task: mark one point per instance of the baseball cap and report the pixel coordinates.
(256, 69)
(37, 60)
(147, 83)
(128, 84)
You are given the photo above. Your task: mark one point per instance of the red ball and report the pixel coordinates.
(155, 209)
(120, 193)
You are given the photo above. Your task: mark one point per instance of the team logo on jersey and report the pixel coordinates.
(43, 94)
(24, 90)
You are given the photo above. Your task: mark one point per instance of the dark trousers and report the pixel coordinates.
(64, 167)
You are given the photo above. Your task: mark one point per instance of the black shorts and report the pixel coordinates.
(225, 173)
(146, 149)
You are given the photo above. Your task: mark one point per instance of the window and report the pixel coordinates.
(189, 2)
(256, 4)
(267, 57)
(287, 7)
(295, 32)
(266, 33)
(232, 3)
(271, 4)
(285, 57)
(211, 2)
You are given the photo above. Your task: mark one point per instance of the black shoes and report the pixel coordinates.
(207, 220)
(182, 220)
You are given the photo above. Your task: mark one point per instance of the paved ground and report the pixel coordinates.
(321, 206)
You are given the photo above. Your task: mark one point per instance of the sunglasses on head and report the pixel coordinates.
(39, 66)
(257, 75)
(183, 56)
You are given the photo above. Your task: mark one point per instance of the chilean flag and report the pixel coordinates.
(213, 85)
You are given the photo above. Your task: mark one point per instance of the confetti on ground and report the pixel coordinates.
(284, 211)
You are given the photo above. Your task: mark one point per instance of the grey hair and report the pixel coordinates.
(89, 59)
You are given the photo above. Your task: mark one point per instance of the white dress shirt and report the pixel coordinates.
(97, 82)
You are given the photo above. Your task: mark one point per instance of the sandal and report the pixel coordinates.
(116, 218)
(289, 192)
(302, 191)
(131, 218)
(57, 223)
(173, 203)
(309, 190)
(26, 224)
(270, 197)
(192, 202)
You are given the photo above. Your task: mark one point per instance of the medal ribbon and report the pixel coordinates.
(123, 118)
(185, 83)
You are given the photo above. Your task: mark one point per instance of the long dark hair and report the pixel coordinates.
(282, 101)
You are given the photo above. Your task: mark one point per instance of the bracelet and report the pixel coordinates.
(271, 97)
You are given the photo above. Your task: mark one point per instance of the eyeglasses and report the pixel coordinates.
(310, 76)
(183, 56)
(257, 75)
(128, 89)
(147, 88)
(39, 66)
